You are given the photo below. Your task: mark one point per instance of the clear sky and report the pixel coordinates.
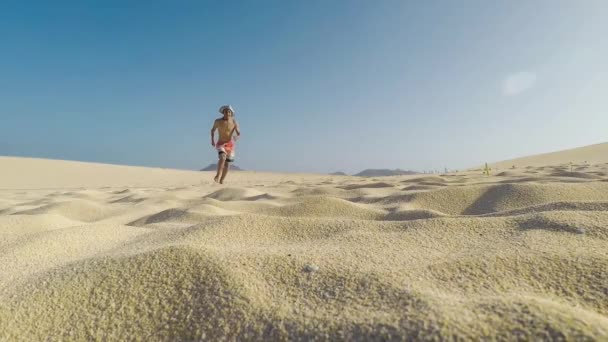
(317, 85)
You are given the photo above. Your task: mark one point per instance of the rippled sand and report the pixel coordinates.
(91, 251)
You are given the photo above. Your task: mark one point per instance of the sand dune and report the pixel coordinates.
(484, 199)
(120, 253)
(587, 155)
(234, 194)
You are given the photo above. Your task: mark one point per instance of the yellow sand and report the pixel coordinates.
(102, 252)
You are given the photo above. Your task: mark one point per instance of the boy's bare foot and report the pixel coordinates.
(215, 179)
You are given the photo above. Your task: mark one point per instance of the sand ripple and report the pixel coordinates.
(452, 257)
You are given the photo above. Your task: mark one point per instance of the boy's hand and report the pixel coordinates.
(212, 143)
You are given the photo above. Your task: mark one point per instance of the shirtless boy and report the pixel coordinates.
(226, 126)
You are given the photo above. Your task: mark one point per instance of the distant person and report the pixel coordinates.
(226, 127)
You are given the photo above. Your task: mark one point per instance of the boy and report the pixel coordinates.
(226, 127)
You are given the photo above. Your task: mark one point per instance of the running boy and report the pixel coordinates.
(226, 127)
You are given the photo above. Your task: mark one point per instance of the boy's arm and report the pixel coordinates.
(237, 129)
(213, 133)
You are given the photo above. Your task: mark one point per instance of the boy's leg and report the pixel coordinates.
(226, 168)
(220, 166)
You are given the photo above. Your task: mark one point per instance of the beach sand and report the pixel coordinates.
(103, 252)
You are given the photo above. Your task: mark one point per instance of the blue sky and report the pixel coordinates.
(318, 86)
